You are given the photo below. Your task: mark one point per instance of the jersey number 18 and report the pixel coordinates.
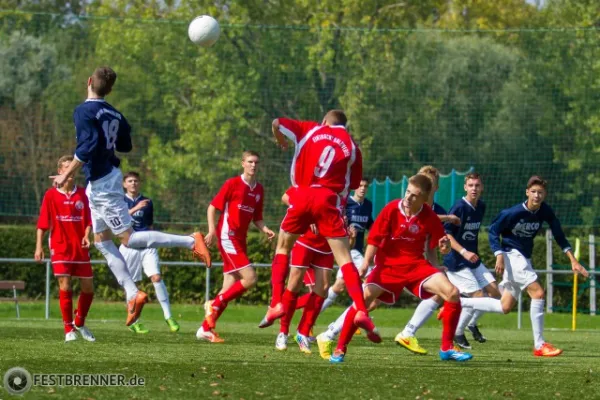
(110, 129)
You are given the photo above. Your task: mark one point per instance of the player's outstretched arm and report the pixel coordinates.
(280, 137)
(576, 266)
(59, 180)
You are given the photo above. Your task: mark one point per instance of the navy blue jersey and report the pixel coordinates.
(142, 219)
(360, 216)
(518, 226)
(100, 129)
(466, 234)
(439, 210)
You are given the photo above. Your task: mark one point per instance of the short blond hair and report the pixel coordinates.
(63, 160)
(423, 182)
(473, 175)
(430, 171)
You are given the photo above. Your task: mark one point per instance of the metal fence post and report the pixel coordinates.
(549, 278)
(520, 310)
(47, 289)
(207, 291)
(592, 277)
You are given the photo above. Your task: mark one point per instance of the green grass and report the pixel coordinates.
(176, 366)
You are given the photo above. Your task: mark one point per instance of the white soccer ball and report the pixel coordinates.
(204, 31)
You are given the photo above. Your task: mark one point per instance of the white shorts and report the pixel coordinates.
(469, 280)
(518, 273)
(138, 259)
(357, 259)
(107, 203)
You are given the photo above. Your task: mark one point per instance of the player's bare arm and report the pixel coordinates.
(467, 255)
(280, 137)
(576, 266)
(39, 249)
(369, 257)
(264, 229)
(139, 206)
(453, 219)
(85, 241)
(499, 264)
(444, 245)
(59, 180)
(211, 217)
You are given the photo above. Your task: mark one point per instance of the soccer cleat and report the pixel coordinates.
(173, 325)
(137, 327)
(209, 336)
(273, 313)
(85, 333)
(362, 320)
(337, 357)
(281, 342)
(357, 331)
(374, 336)
(200, 250)
(477, 336)
(311, 337)
(211, 315)
(410, 343)
(135, 306)
(71, 336)
(461, 341)
(325, 346)
(454, 355)
(547, 350)
(303, 343)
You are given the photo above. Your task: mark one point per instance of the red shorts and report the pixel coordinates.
(393, 279)
(233, 253)
(77, 269)
(314, 205)
(304, 257)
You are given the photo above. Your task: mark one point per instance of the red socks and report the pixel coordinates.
(235, 291)
(65, 298)
(302, 301)
(310, 314)
(279, 271)
(449, 322)
(348, 330)
(289, 305)
(354, 286)
(219, 312)
(83, 306)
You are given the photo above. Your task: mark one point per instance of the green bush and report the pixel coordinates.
(187, 284)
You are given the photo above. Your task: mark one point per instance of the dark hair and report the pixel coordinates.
(336, 117)
(363, 179)
(536, 180)
(132, 174)
(472, 175)
(63, 160)
(103, 80)
(423, 182)
(249, 153)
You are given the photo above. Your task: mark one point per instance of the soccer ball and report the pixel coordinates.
(204, 30)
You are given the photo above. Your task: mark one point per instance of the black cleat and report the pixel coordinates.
(477, 336)
(462, 341)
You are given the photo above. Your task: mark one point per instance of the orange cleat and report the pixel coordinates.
(135, 306)
(200, 250)
(547, 350)
(211, 315)
(273, 313)
(209, 336)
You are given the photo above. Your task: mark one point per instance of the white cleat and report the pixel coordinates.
(281, 342)
(209, 336)
(71, 336)
(85, 333)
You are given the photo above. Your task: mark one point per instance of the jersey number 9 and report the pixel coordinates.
(110, 129)
(325, 161)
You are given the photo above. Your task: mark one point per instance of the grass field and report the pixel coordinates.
(177, 366)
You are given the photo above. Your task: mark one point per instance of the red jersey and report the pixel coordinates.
(239, 204)
(401, 239)
(324, 156)
(66, 216)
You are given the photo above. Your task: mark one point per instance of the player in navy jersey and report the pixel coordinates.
(511, 239)
(359, 214)
(465, 269)
(142, 218)
(101, 129)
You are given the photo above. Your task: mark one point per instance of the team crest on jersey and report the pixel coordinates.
(257, 198)
(79, 205)
(413, 228)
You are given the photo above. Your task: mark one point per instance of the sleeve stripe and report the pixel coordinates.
(288, 133)
(78, 159)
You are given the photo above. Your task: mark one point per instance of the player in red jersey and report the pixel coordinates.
(240, 201)
(326, 165)
(66, 213)
(398, 238)
(311, 262)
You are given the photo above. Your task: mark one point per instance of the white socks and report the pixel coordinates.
(331, 296)
(155, 239)
(335, 328)
(117, 265)
(163, 297)
(476, 315)
(422, 313)
(465, 316)
(486, 304)
(536, 312)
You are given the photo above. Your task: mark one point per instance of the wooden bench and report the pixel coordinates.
(14, 286)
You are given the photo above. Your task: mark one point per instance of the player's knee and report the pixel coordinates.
(155, 278)
(64, 283)
(453, 295)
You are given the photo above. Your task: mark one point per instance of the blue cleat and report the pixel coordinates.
(337, 357)
(455, 355)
